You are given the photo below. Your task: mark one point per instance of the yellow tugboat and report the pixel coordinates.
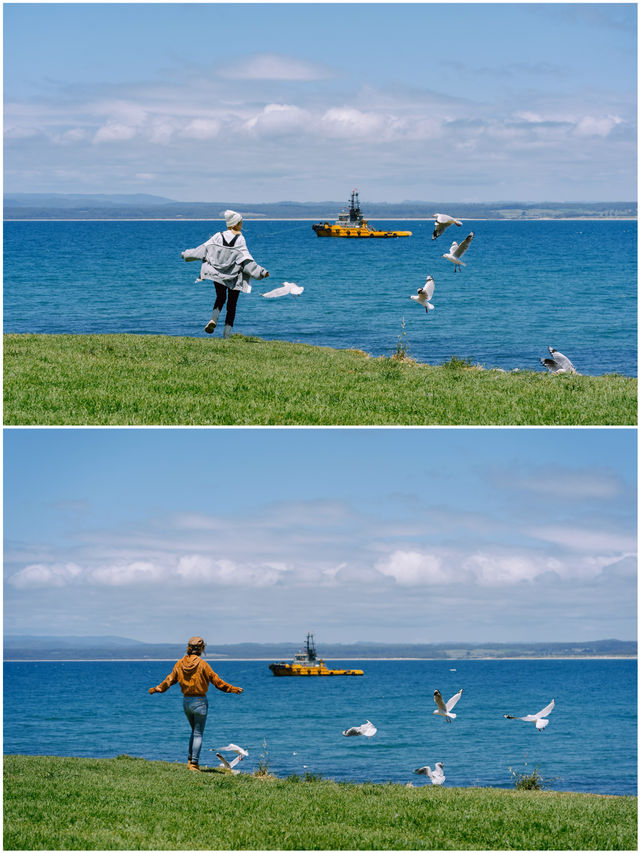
(306, 662)
(351, 223)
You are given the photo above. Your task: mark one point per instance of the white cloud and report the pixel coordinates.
(415, 568)
(45, 575)
(129, 574)
(278, 119)
(199, 569)
(597, 125)
(115, 132)
(347, 122)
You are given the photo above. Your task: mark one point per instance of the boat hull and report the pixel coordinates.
(288, 669)
(358, 232)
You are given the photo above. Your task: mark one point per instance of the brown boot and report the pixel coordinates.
(192, 765)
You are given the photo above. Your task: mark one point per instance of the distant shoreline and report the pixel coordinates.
(360, 660)
(332, 217)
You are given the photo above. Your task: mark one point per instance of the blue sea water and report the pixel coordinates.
(103, 709)
(527, 285)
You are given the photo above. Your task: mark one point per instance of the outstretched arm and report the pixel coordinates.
(166, 684)
(215, 679)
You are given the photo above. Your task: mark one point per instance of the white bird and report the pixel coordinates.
(436, 775)
(457, 251)
(444, 708)
(538, 719)
(558, 363)
(442, 222)
(425, 293)
(229, 765)
(288, 287)
(367, 729)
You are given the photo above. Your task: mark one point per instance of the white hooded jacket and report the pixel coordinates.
(226, 259)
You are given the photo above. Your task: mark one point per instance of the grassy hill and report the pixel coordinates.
(131, 804)
(161, 380)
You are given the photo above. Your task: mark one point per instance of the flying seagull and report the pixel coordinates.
(539, 719)
(229, 765)
(436, 775)
(367, 729)
(444, 708)
(288, 287)
(442, 222)
(425, 293)
(457, 251)
(558, 363)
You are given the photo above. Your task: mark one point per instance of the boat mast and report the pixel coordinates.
(310, 646)
(354, 206)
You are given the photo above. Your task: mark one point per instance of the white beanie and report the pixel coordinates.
(232, 218)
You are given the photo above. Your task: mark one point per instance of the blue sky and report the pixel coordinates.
(302, 101)
(262, 534)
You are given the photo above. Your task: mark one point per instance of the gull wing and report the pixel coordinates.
(274, 294)
(293, 288)
(440, 701)
(223, 761)
(454, 248)
(561, 360)
(428, 287)
(423, 770)
(545, 711)
(453, 701)
(368, 729)
(354, 730)
(462, 248)
(232, 747)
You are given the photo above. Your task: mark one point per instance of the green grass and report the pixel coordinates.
(132, 804)
(140, 379)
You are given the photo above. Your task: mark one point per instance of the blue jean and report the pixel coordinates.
(195, 707)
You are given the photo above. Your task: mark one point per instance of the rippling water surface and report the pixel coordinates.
(527, 285)
(103, 709)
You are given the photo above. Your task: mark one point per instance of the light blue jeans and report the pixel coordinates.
(195, 707)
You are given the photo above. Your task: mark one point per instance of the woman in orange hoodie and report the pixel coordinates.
(194, 676)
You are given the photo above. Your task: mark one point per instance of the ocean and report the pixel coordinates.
(294, 725)
(527, 285)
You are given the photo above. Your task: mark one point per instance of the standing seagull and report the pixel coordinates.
(538, 718)
(457, 251)
(444, 708)
(425, 293)
(367, 729)
(558, 363)
(288, 287)
(437, 775)
(442, 223)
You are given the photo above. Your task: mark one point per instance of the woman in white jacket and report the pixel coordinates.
(227, 262)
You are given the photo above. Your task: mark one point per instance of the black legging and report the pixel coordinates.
(232, 301)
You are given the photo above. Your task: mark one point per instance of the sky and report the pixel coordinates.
(269, 102)
(381, 535)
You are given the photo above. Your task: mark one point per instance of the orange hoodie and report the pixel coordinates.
(194, 675)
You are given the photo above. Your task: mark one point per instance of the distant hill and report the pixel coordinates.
(140, 206)
(22, 647)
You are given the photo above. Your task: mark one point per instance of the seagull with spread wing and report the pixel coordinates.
(288, 287)
(424, 294)
(436, 775)
(539, 719)
(558, 363)
(240, 754)
(457, 251)
(442, 222)
(444, 708)
(367, 729)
